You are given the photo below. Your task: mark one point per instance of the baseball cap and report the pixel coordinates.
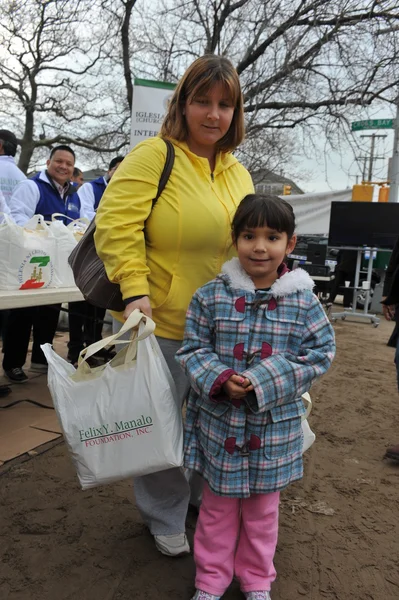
(10, 138)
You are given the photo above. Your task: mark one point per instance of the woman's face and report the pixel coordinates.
(208, 119)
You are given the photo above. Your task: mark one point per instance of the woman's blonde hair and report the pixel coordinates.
(200, 76)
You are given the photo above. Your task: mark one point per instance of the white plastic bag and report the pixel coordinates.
(122, 419)
(66, 238)
(27, 255)
(308, 435)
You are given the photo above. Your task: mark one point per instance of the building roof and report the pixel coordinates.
(268, 181)
(92, 174)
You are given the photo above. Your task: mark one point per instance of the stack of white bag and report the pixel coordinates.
(35, 255)
(27, 255)
(122, 419)
(66, 238)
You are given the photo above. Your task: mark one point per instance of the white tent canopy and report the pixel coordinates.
(312, 211)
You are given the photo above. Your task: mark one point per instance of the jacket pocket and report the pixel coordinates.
(212, 431)
(286, 314)
(283, 437)
(163, 297)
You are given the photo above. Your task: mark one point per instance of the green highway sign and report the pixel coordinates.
(372, 124)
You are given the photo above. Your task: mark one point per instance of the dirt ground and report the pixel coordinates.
(339, 533)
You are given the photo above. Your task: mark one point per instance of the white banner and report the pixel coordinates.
(150, 101)
(312, 211)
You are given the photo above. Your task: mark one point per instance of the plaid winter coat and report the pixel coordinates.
(281, 340)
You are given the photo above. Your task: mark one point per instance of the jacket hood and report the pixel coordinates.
(288, 283)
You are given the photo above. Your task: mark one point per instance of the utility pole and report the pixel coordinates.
(364, 160)
(372, 159)
(394, 181)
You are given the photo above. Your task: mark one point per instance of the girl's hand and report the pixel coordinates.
(237, 387)
(143, 304)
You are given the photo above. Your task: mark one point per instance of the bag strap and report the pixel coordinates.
(169, 162)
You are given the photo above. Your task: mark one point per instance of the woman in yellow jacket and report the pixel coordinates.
(160, 257)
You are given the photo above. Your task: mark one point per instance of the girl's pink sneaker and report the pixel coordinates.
(261, 595)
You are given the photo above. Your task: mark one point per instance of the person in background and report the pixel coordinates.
(10, 176)
(4, 210)
(390, 308)
(256, 338)
(160, 257)
(77, 178)
(49, 191)
(91, 192)
(46, 193)
(86, 320)
(344, 271)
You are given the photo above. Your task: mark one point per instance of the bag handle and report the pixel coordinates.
(55, 215)
(84, 220)
(308, 401)
(134, 319)
(36, 222)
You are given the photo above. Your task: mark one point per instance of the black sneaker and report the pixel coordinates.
(17, 375)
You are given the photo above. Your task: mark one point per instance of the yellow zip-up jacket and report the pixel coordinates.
(187, 235)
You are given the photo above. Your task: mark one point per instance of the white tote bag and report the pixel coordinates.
(308, 435)
(27, 255)
(122, 419)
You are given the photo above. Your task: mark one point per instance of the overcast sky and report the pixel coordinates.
(337, 171)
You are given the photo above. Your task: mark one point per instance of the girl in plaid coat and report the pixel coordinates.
(256, 337)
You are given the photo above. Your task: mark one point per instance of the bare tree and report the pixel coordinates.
(120, 15)
(53, 76)
(308, 65)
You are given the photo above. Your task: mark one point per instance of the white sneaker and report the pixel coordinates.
(172, 545)
(261, 595)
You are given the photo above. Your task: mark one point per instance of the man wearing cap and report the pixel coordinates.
(46, 193)
(10, 176)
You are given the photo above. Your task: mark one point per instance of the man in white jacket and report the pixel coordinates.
(10, 174)
(4, 210)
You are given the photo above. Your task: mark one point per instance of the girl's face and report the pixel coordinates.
(208, 119)
(261, 251)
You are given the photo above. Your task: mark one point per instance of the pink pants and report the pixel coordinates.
(236, 537)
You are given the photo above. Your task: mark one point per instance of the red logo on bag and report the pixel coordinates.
(38, 270)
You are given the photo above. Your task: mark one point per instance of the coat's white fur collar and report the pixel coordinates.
(293, 281)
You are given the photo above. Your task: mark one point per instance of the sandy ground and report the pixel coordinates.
(339, 535)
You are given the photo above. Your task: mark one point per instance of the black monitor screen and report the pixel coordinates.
(358, 224)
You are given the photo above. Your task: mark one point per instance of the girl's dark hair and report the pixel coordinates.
(261, 210)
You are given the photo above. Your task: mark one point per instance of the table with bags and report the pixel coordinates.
(34, 269)
(21, 299)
